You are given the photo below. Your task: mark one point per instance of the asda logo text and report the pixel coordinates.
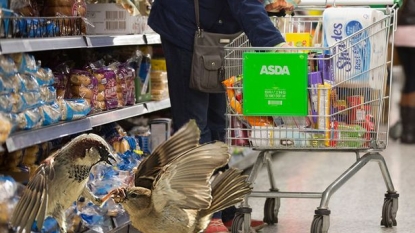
(274, 70)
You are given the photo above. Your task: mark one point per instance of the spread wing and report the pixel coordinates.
(183, 140)
(185, 182)
(33, 203)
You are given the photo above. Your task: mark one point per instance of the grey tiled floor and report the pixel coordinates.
(356, 207)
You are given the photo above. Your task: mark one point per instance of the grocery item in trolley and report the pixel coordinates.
(346, 84)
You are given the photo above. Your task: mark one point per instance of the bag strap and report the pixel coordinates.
(199, 28)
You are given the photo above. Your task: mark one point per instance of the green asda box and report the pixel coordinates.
(275, 84)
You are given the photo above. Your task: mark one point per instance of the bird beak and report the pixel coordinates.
(106, 156)
(108, 159)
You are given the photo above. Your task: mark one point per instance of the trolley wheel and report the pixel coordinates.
(317, 224)
(388, 217)
(271, 209)
(237, 224)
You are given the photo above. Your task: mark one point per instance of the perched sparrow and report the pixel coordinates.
(59, 181)
(174, 189)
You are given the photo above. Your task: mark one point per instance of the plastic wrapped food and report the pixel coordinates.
(5, 129)
(32, 99)
(108, 86)
(44, 76)
(6, 104)
(61, 85)
(6, 85)
(36, 27)
(74, 108)
(51, 113)
(7, 66)
(125, 82)
(25, 7)
(84, 85)
(48, 94)
(25, 62)
(13, 83)
(18, 102)
(29, 119)
(13, 119)
(29, 82)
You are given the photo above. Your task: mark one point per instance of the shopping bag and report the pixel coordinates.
(207, 71)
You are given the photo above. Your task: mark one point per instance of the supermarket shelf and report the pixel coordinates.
(22, 139)
(152, 38)
(113, 40)
(71, 42)
(157, 105)
(41, 44)
(116, 115)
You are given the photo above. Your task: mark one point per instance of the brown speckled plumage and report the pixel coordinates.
(59, 181)
(174, 191)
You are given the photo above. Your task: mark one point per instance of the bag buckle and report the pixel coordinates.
(199, 32)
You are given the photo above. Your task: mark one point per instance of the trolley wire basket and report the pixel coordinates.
(346, 88)
(331, 95)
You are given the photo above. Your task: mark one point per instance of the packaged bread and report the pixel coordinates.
(6, 85)
(48, 94)
(25, 7)
(61, 85)
(29, 119)
(125, 80)
(6, 104)
(82, 91)
(32, 99)
(25, 62)
(84, 85)
(74, 109)
(107, 78)
(81, 77)
(101, 105)
(5, 128)
(44, 76)
(13, 82)
(51, 113)
(18, 102)
(29, 82)
(13, 119)
(7, 66)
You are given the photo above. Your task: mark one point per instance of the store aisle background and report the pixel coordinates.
(357, 206)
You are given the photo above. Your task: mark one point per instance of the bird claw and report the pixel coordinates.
(118, 194)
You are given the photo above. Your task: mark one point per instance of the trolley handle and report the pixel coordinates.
(350, 2)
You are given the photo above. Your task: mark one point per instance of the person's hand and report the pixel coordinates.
(285, 45)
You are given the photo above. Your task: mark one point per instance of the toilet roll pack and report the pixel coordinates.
(357, 41)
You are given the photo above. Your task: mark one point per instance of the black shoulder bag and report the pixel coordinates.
(207, 71)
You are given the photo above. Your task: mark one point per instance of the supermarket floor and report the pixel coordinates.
(357, 206)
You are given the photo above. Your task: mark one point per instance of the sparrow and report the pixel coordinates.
(175, 189)
(59, 181)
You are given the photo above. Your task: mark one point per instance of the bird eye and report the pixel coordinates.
(134, 195)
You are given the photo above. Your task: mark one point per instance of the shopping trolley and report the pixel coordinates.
(323, 97)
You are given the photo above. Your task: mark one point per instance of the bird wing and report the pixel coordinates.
(183, 140)
(33, 203)
(185, 182)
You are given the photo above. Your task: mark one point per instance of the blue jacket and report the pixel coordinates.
(175, 21)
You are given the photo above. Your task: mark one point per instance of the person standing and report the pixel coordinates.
(405, 47)
(175, 22)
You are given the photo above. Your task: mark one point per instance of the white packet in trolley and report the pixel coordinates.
(357, 53)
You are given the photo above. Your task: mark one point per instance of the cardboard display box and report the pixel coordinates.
(110, 18)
